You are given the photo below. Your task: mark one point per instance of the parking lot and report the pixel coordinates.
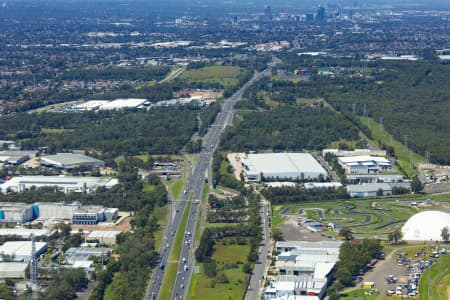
(399, 273)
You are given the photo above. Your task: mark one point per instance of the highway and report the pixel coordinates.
(194, 186)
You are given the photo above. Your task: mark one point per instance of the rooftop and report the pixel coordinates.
(270, 163)
(69, 159)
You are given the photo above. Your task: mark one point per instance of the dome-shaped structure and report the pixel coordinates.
(426, 226)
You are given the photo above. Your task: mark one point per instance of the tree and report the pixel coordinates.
(380, 192)
(416, 185)
(247, 268)
(277, 234)
(395, 236)
(445, 234)
(210, 268)
(346, 233)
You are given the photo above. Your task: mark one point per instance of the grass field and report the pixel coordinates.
(402, 153)
(436, 280)
(204, 288)
(174, 258)
(224, 75)
(198, 233)
(361, 294)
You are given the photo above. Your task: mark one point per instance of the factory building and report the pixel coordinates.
(74, 255)
(364, 164)
(283, 166)
(16, 212)
(356, 152)
(369, 189)
(124, 103)
(16, 157)
(105, 237)
(305, 270)
(13, 269)
(64, 183)
(92, 215)
(57, 210)
(68, 161)
(20, 250)
(25, 233)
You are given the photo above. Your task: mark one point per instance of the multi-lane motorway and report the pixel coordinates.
(194, 187)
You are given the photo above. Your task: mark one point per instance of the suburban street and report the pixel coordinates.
(254, 289)
(194, 186)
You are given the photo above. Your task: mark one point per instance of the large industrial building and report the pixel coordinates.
(26, 233)
(64, 183)
(16, 157)
(282, 166)
(369, 189)
(356, 152)
(57, 210)
(11, 212)
(21, 250)
(123, 103)
(107, 237)
(426, 226)
(305, 270)
(364, 164)
(13, 269)
(68, 161)
(93, 214)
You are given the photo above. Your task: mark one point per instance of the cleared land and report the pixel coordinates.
(227, 76)
(230, 282)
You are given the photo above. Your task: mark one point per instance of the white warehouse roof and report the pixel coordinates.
(363, 159)
(123, 103)
(21, 250)
(25, 232)
(66, 183)
(284, 165)
(71, 160)
(426, 226)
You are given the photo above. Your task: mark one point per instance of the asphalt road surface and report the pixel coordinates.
(194, 185)
(256, 280)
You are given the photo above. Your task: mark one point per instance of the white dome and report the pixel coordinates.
(426, 226)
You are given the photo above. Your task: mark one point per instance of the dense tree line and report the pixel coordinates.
(411, 97)
(64, 284)
(118, 73)
(288, 128)
(224, 178)
(112, 133)
(277, 195)
(353, 258)
(207, 117)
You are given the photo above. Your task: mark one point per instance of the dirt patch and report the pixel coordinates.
(207, 94)
(235, 161)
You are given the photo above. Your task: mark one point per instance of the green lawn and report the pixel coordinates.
(435, 280)
(170, 272)
(402, 153)
(204, 288)
(205, 194)
(225, 75)
(361, 294)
